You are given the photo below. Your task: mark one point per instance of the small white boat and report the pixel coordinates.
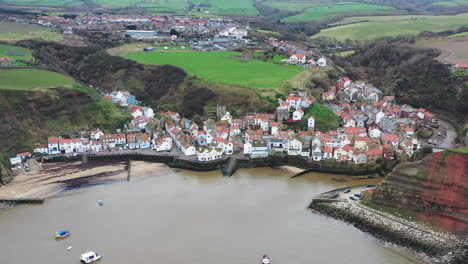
(266, 259)
(90, 257)
(101, 202)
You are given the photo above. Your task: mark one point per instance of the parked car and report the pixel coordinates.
(359, 195)
(335, 196)
(371, 185)
(439, 133)
(353, 198)
(347, 190)
(436, 142)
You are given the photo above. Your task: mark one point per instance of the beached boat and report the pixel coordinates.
(89, 257)
(265, 259)
(62, 234)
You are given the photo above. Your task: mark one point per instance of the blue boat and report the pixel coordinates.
(62, 234)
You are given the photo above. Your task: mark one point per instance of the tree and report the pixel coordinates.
(174, 32)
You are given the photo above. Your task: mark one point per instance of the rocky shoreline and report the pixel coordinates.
(441, 247)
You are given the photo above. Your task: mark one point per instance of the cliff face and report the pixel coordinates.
(435, 187)
(27, 117)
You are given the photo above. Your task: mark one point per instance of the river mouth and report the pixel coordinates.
(178, 216)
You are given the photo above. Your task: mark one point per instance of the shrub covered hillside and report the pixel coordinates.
(29, 116)
(411, 74)
(164, 86)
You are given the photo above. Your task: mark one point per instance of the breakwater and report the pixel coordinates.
(23, 201)
(388, 227)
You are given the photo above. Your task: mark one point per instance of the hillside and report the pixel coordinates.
(411, 74)
(161, 86)
(28, 116)
(436, 188)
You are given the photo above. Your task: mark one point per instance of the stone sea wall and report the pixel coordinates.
(389, 228)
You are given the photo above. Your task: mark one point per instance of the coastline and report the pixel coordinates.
(54, 178)
(440, 247)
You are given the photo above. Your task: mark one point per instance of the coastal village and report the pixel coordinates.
(372, 128)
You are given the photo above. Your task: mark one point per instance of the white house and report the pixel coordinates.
(136, 113)
(227, 117)
(148, 112)
(247, 148)
(226, 146)
(322, 62)
(375, 133)
(294, 102)
(41, 148)
(207, 154)
(311, 123)
(379, 116)
(53, 145)
(188, 150)
(297, 58)
(65, 145)
(327, 153)
(294, 147)
(96, 135)
(162, 143)
(95, 146)
(298, 114)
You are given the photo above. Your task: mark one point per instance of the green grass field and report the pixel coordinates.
(325, 119)
(267, 31)
(387, 26)
(4, 49)
(322, 11)
(44, 2)
(224, 67)
(462, 34)
(445, 4)
(26, 79)
(239, 7)
(292, 5)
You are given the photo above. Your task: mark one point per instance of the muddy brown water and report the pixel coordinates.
(177, 216)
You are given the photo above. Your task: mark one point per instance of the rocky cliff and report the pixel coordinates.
(436, 188)
(27, 117)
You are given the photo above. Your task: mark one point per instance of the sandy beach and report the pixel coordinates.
(53, 178)
(291, 169)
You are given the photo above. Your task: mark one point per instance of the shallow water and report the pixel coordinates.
(177, 216)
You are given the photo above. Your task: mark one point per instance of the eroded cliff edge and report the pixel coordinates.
(436, 188)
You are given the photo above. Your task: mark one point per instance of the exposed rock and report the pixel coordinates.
(435, 187)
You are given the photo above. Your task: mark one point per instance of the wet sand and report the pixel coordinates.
(291, 169)
(54, 178)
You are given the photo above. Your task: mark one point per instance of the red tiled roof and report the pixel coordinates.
(367, 139)
(355, 130)
(293, 98)
(390, 137)
(374, 151)
(53, 140)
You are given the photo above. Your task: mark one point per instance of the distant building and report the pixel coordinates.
(6, 62)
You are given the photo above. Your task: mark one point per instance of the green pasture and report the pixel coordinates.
(325, 118)
(26, 79)
(445, 4)
(4, 49)
(224, 67)
(322, 11)
(292, 5)
(387, 26)
(44, 2)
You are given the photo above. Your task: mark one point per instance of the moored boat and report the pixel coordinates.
(266, 259)
(89, 257)
(62, 234)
